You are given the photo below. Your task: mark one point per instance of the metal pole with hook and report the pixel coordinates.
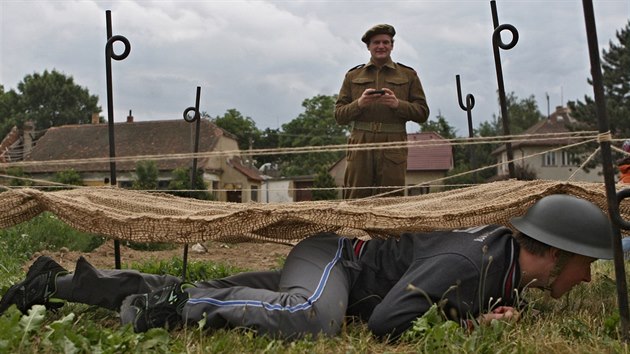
(497, 44)
(613, 198)
(193, 173)
(470, 103)
(109, 55)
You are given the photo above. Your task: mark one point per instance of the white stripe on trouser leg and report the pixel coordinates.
(278, 307)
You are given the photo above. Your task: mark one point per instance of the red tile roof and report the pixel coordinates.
(249, 172)
(438, 156)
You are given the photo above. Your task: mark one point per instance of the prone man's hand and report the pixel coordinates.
(505, 313)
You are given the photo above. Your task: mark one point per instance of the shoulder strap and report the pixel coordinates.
(357, 67)
(405, 66)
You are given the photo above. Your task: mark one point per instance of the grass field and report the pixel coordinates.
(584, 321)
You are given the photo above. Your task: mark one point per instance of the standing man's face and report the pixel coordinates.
(380, 47)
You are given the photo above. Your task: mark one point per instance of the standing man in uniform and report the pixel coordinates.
(376, 100)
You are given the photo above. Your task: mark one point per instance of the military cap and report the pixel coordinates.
(378, 29)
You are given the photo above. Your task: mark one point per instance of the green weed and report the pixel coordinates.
(195, 270)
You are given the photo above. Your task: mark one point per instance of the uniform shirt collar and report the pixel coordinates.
(390, 63)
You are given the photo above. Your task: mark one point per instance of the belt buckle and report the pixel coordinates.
(376, 127)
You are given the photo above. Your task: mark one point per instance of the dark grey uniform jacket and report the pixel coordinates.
(473, 269)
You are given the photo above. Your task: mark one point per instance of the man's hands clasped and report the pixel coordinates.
(384, 96)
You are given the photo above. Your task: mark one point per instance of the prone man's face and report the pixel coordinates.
(577, 270)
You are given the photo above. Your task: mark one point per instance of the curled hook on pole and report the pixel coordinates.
(195, 117)
(498, 41)
(110, 47)
(109, 55)
(470, 103)
(496, 44)
(470, 99)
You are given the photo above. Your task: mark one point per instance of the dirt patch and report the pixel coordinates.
(246, 255)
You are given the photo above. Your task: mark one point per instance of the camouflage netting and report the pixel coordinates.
(149, 217)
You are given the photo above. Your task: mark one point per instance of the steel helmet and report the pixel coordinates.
(570, 224)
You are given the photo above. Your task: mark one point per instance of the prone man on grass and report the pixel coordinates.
(476, 274)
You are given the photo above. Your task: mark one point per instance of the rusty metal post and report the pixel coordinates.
(109, 55)
(193, 173)
(609, 173)
(497, 44)
(470, 103)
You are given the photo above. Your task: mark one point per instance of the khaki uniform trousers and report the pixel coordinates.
(374, 168)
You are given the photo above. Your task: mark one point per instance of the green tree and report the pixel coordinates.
(523, 113)
(440, 126)
(324, 180)
(483, 152)
(616, 82)
(8, 103)
(52, 99)
(269, 139)
(146, 176)
(69, 177)
(244, 128)
(22, 177)
(316, 126)
(180, 184)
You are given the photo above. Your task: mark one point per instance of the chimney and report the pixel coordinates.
(29, 135)
(95, 118)
(129, 117)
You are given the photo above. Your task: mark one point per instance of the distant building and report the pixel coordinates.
(229, 178)
(551, 165)
(287, 189)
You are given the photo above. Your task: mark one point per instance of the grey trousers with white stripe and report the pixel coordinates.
(309, 296)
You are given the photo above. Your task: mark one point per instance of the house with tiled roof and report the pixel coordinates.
(535, 155)
(228, 176)
(427, 162)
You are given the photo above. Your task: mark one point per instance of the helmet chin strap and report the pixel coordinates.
(561, 262)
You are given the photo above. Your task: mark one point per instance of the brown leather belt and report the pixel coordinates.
(378, 127)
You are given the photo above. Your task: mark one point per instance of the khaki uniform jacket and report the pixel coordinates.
(381, 167)
(401, 79)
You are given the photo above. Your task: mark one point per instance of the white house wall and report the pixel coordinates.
(276, 191)
(556, 172)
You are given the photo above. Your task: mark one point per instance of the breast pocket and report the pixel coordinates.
(360, 84)
(400, 86)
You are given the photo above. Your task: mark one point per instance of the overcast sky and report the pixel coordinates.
(264, 58)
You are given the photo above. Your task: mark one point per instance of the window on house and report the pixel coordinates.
(215, 186)
(568, 159)
(420, 190)
(125, 184)
(254, 196)
(503, 167)
(549, 158)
